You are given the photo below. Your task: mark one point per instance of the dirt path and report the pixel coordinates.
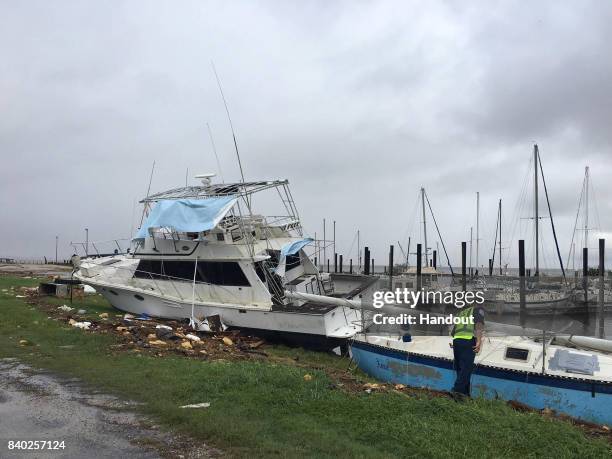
(39, 406)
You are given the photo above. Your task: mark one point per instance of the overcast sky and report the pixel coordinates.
(358, 104)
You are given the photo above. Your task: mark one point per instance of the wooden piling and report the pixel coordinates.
(366, 261)
(391, 267)
(351, 266)
(435, 259)
(418, 268)
(341, 263)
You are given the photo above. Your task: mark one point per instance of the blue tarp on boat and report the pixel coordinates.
(290, 249)
(187, 215)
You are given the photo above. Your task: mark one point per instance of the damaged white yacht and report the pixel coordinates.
(202, 252)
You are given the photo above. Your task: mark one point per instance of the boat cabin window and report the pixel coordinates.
(517, 353)
(220, 237)
(211, 272)
(292, 261)
(236, 235)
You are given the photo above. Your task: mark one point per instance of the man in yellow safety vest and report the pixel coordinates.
(467, 341)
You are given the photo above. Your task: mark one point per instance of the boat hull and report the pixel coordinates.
(582, 399)
(326, 328)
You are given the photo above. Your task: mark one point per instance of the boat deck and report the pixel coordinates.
(307, 308)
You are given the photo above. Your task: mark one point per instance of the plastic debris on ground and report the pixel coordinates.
(83, 325)
(65, 308)
(197, 405)
(163, 337)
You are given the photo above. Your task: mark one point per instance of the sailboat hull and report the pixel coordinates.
(583, 399)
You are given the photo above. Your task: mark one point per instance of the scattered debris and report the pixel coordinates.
(65, 308)
(193, 337)
(157, 342)
(186, 345)
(81, 311)
(307, 377)
(165, 332)
(197, 405)
(104, 315)
(24, 342)
(369, 387)
(227, 341)
(83, 325)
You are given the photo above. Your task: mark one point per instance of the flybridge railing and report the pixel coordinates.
(242, 189)
(217, 189)
(101, 248)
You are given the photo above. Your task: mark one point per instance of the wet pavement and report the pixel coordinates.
(40, 406)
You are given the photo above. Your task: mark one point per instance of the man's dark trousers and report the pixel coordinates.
(463, 349)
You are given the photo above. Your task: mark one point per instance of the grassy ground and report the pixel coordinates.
(263, 409)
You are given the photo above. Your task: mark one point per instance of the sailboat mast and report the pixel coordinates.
(358, 252)
(477, 227)
(500, 237)
(408, 253)
(535, 209)
(471, 231)
(586, 207)
(424, 226)
(324, 247)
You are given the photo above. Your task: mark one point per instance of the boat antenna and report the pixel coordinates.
(250, 242)
(148, 191)
(215, 151)
(230, 120)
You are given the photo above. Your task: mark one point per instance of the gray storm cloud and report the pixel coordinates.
(357, 104)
